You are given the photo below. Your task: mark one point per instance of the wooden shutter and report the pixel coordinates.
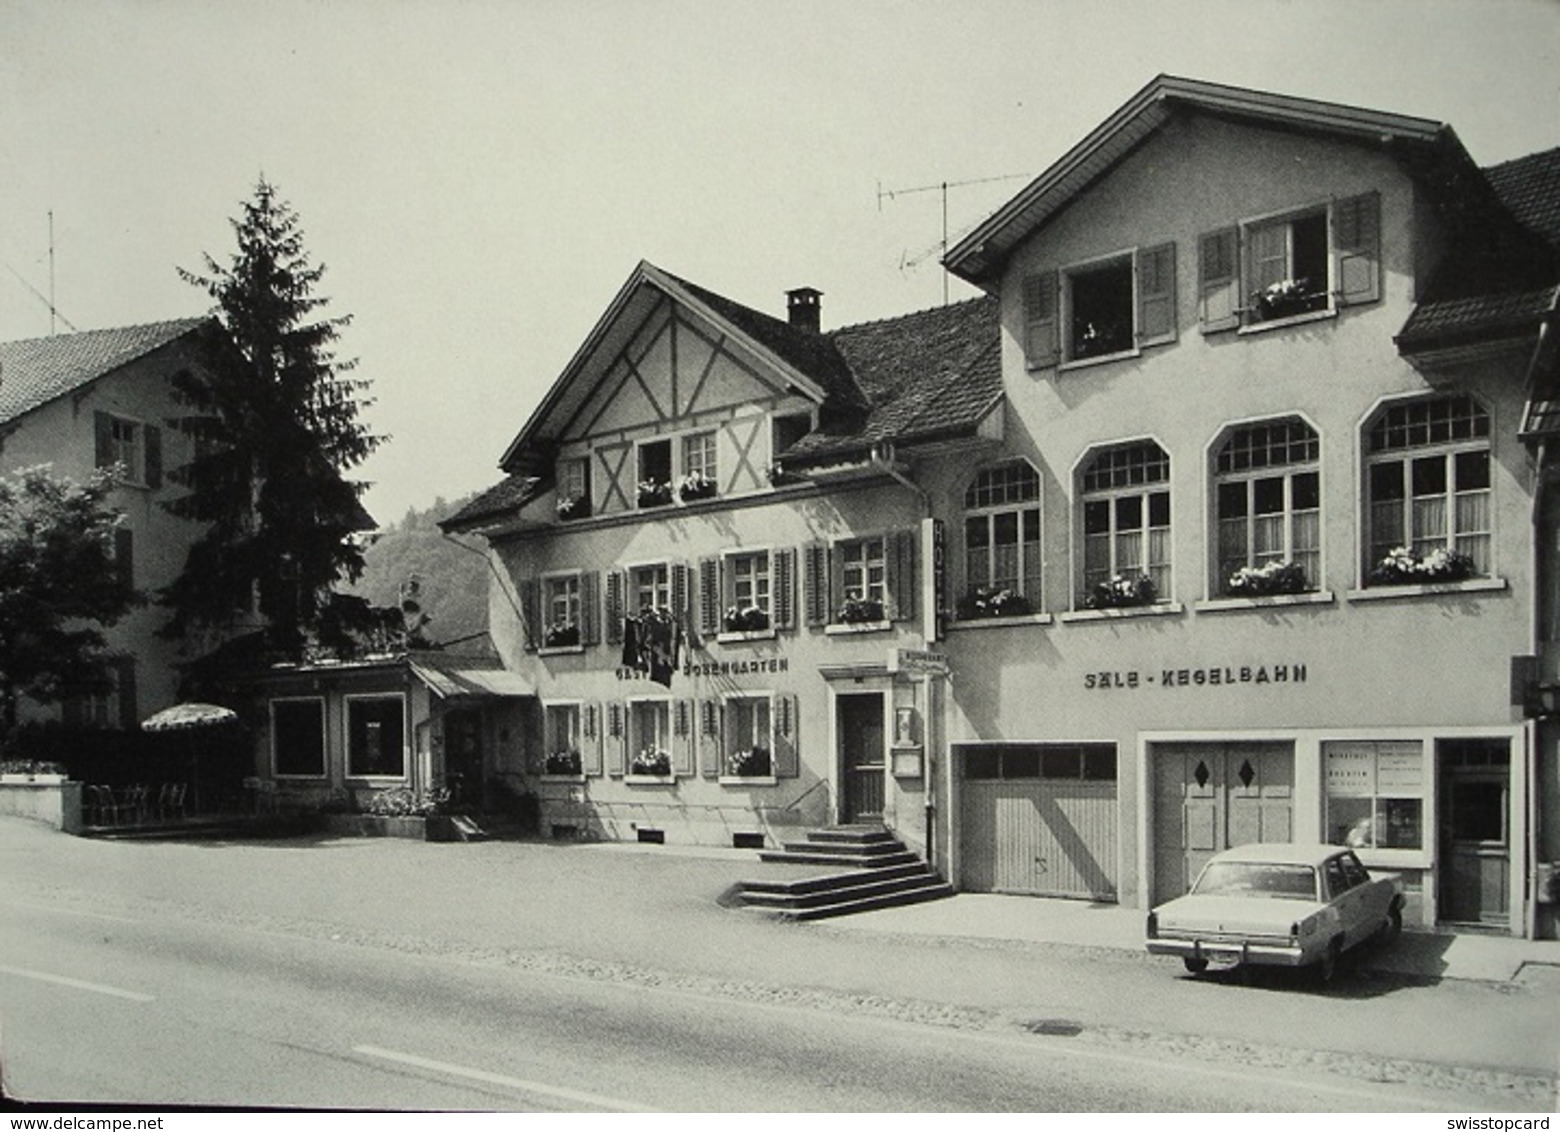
(154, 464)
(709, 597)
(614, 607)
(531, 612)
(1041, 343)
(709, 737)
(682, 597)
(1156, 295)
(899, 549)
(815, 583)
(1357, 248)
(103, 433)
(590, 613)
(590, 739)
(1218, 280)
(682, 738)
(787, 722)
(782, 563)
(616, 741)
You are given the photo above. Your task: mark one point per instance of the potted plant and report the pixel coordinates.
(1403, 566)
(751, 762)
(992, 601)
(1268, 579)
(564, 763)
(654, 493)
(857, 610)
(745, 619)
(694, 486)
(651, 763)
(1286, 298)
(561, 635)
(572, 507)
(1122, 591)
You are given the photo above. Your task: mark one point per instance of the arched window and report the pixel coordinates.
(1125, 492)
(1002, 541)
(1428, 492)
(1267, 490)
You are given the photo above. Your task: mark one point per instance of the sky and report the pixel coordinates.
(480, 177)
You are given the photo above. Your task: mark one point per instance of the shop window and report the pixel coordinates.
(1267, 490)
(1375, 794)
(1428, 485)
(1126, 526)
(376, 728)
(561, 725)
(1002, 542)
(298, 738)
(574, 488)
(1057, 762)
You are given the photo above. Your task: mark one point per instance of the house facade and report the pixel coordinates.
(95, 399)
(1213, 521)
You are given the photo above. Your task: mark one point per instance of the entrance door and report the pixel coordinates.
(463, 756)
(859, 722)
(1475, 850)
(1212, 796)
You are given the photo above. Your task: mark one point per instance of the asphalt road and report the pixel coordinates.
(395, 975)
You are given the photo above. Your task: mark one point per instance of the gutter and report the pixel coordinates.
(881, 458)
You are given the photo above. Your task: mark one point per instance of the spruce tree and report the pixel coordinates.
(275, 420)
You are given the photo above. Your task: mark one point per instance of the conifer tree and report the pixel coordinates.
(276, 426)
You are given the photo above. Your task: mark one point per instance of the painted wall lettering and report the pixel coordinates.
(1216, 676)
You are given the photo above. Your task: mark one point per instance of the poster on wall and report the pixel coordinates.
(1351, 771)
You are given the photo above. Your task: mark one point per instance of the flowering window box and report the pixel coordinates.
(572, 507)
(993, 601)
(1122, 591)
(695, 486)
(1270, 580)
(654, 494)
(651, 766)
(861, 611)
(563, 764)
(1403, 567)
(1288, 298)
(561, 636)
(745, 623)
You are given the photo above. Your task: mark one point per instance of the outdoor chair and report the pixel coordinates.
(137, 803)
(110, 811)
(170, 801)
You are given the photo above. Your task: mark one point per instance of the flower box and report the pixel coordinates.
(745, 619)
(1122, 592)
(752, 762)
(1403, 567)
(860, 611)
(1287, 299)
(572, 507)
(651, 764)
(1268, 580)
(654, 494)
(992, 601)
(695, 486)
(561, 635)
(563, 763)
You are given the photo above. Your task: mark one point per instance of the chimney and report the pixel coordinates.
(801, 305)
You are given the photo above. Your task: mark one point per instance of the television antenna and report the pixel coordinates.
(941, 188)
(46, 300)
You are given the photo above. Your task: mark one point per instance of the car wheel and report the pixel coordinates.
(1327, 969)
(1195, 966)
(1392, 927)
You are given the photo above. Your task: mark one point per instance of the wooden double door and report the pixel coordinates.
(1213, 796)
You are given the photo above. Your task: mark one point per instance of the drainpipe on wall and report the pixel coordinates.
(1542, 556)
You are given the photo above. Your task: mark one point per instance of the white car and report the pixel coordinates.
(1278, 904)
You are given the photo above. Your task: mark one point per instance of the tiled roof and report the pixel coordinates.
(1530, 187)
(925, 374)
(1443, 321)
(510, 494)
(34, 371)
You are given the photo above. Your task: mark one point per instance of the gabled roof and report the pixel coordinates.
(508, 495)
(979, 257)
(808, 362)
(1529, 187)
(35, 371)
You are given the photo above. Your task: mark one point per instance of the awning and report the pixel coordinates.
(449, 678)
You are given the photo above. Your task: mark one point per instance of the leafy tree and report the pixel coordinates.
(276, 428)
(59, 585)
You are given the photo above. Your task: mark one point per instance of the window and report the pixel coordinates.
(864, 578)
(1309, 261)
(749, 737)
(1375, 794)
(562, 595)
(134, 447)
(1108, 306)
(1268, 497)
(1002, 541)
(749, 596)
(652, 588)
(1063, 762)
(561, 724)
(650, 737)
(786, 430)
(698, 467)
(1126, 526)
(376, 731)
(574, 488)
(1428, 485)
(298, 738)
(864, 581)
(655, 473)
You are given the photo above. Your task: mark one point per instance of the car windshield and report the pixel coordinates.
(1285, 882)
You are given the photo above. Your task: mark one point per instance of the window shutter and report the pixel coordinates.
(103, 430)
(614, 607)
(682, 597)
(900, 553)
(1041, 348)
(682, 738)
(1156, 294)
(787, 722)
(154, 466)
(129, 714)
(590, 596)
(709, 737)
(1218, 280)
(709, 596)
(783, 563)
(531, 611)
(590, 739)
(616, 742)
(1357, 246)
(815, 583)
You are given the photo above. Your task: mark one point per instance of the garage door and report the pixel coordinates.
(1038, 819)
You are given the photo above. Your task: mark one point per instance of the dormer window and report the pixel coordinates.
(574, 488)
(655, 473)
(1099, 310)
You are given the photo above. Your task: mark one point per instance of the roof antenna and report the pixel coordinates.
(46, 300)
(942, 188)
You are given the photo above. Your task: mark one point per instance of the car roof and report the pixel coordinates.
(1284, 853)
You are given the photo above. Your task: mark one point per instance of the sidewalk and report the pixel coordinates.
(1077, 923)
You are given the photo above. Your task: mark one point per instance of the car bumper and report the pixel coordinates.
(1267, 953)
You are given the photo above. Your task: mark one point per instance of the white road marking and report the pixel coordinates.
(77, 984)
(576, 1096)
(71, 912)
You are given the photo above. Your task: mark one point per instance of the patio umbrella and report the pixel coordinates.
(190, 717)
